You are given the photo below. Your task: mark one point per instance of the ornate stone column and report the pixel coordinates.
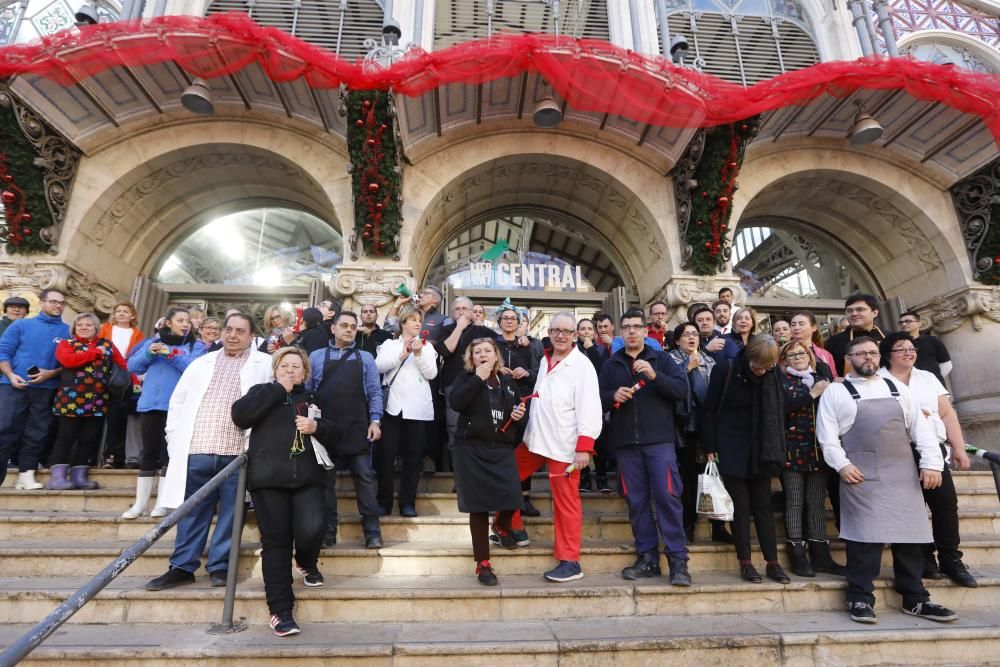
(684, 289)
(371, 282)
(968, 323)
(29, 273)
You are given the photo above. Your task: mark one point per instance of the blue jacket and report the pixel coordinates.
(162, 372)
(32, 341)
(373, 384)
(648, 418)
(730, 351)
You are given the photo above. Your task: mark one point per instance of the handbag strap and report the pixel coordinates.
(725, 389)
(388, 387)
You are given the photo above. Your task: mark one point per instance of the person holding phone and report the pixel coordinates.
(30, 377)
(486, 478)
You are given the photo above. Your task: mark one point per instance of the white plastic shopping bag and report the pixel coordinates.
(713, 499)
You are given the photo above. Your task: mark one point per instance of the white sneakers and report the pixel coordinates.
(26, 481)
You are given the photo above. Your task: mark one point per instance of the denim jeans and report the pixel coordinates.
(25, 420)
(192, 530)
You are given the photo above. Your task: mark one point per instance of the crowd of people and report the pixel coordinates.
(629, 407)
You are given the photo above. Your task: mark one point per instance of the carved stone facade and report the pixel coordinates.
(977, 305)
(371, 284)
(977, 198)
(31, 274)
(684, 290)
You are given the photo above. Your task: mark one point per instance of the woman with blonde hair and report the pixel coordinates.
(278, 331)
(744, 429)
(744, 324)
(122, 329)
(804, 472)
(286, 479)
(486, 476)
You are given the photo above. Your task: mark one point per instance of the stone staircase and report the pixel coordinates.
(417, 602)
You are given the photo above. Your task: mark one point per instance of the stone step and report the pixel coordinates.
(788, 638)
(428, 504)
(445, 482)
(49, 558)
(452, 528)
(518, 597)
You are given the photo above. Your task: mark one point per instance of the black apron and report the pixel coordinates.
(344, 401)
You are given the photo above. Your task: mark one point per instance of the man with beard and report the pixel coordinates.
(722, 311)
(861, 311)
(370, 334)
(865, 425)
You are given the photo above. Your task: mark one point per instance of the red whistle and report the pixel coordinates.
(524, 402)
(636, 387)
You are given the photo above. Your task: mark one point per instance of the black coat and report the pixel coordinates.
(267, 410)
(649, 417)
(313, 339)
(837, 344)
(369, 342)
(453, 362)
(470, 398)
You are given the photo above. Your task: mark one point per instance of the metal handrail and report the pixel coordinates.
(44, 628)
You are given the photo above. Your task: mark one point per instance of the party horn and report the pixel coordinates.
(636, 387)
(404, 290)
(524, 402)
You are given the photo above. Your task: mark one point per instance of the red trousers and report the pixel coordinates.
(565, 497)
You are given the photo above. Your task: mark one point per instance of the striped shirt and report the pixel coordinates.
(214, 430)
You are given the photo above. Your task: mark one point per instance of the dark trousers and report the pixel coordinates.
(752, 497)
(365, 487)
(943, 502)
(864, 560)
(77, 441)
(287, 518)
(114, 436)
(479, 527)
(403, 437)
(650, 479)
(436, 431)
(154, 443)
(687, 465)
(25, 420)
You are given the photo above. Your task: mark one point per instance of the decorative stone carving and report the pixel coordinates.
(976, 197)
(57, 157)
(683, 290)
(948, 313)
(372, 284)
(83, 293)
(684, 185)
(127, 201)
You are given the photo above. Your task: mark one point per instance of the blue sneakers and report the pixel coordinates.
(566, 570)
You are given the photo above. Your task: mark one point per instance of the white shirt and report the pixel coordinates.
(837, 411)
(410, 395)
(568, 407)
(120, 338)
(728, 329)
(926, 389)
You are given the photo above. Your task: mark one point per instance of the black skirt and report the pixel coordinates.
(486, 477)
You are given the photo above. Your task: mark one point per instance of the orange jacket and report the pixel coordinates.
(105, 332)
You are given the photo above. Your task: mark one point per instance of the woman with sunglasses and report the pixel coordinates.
(286, 479)
(804, 473)
(486, 476)
(744, 428)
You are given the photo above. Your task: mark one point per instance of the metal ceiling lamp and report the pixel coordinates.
(547, 113)
(197, 98)
(87, 14)
(865, 129)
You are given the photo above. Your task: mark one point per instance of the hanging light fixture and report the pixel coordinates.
(865, 129)
(547, 113)
(197, 98)
(87, 14)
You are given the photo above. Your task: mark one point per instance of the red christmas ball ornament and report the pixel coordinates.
(359, 122)
(744, 127)
(704, 194)
(366, 103)
(733, 165)
(373, 187)
(371, 143)
(366, 235)
(723, 200)
(708, 245)
(700, 223)
(8, 197)
(27, 217)
(379, 207)
(383, 127)
(27, 232)
(723, 227)
(9, 178)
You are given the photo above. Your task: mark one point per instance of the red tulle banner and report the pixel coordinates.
(590, 75)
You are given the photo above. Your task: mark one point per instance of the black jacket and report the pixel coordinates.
(470, 398)
(649, 417)
(837, 344)
(453, 363)
(313, 339)
(369, 342)
(267, 410)
(529, 357)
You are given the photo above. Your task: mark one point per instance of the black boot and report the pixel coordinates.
(822, 561)
(953, 568)
(646, 565)
(528, 509)
(931, 570)
(797, 559)
(679, 575)
(330, 535)
(720, 534)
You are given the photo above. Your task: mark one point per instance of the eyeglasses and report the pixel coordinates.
(477, 341)
(760, 370)
(796, 355)
(689, 334)
(907, 322)
(564, 333)
(865, 355)
(633, 327)
(905, 350)
(508, 319)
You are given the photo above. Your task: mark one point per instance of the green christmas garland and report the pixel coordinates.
(371, 145)
(712, 199)
(22, 190)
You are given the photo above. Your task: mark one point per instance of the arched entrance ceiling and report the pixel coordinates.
(584, 204)
(137, 219)
(892, 243)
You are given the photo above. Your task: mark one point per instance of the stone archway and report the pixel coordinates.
(134, 200)
(584, 180)
(899, 223)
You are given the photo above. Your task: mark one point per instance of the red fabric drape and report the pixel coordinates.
(590, 74)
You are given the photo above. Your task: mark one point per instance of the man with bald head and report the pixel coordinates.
(563, 423)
